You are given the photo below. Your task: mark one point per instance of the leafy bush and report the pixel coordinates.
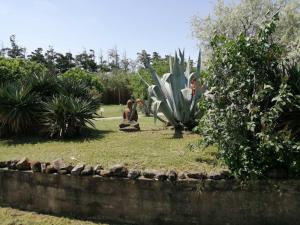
(91, 80)
(253, 104)
(15, 69)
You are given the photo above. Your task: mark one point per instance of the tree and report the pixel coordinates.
(38, 56)
(15, 51)
(103, 67)
(64, 62)
(246, 16)
(114, 58)
(50, 57)
(86, 61)
(124, 62)
(143, 57)
(155, 56)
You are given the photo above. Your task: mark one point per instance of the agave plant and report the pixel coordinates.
(176, 94)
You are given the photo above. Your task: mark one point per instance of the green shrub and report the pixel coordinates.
(34, 101)
(91, 80)
(15, 69)
(253, 104)
(20, 110)
(65, 116)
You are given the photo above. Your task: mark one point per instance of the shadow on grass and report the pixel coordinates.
(87, 134)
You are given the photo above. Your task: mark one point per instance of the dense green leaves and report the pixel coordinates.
(253, 104)
(65, 116)
(34, 101)
(20, 110)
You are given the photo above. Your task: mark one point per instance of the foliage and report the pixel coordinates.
(15, 51)
(32, 100)
(116, 87)
(91, 80)
(176, 94)
(86, 61)
(20, 110)
(245, 16)
(253, 104)
(65, 116)
(15, 69)
(160, 65)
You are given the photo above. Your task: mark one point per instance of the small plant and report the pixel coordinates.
(176, 94)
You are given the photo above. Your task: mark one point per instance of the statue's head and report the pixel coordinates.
(129, 104)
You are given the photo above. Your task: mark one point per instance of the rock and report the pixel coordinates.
(88, 170)
(44, 167)
(150, 174)
(3, 164)
(97, 169)
(23, 164)
(50, 169)
(134, 174)
(172, 175)
(130, 129)
(197, 175)
(215, 176)
(104, 173)
(12, 165)
(63, 172)
(129, 126)
(59, 164)
(68, 168)
(181, 176)
(118, 171)
(36, 166)
(76, 171)
(161, 176)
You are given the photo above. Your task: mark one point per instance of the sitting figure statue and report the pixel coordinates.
(130, 118)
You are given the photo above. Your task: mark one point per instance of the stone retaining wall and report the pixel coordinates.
(152, 201)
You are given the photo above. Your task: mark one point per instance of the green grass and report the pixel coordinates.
(11, 216)
(153, 147)
(112, 110)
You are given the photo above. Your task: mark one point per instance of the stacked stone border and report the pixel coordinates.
(58, 166)
(149, 197)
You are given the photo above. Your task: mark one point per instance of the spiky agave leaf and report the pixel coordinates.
(173, 95)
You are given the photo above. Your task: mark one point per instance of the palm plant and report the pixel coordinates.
(20, 109)
(65, 115)
(176, 94)
(43, 84)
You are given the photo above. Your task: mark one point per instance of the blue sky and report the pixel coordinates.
(75, 25)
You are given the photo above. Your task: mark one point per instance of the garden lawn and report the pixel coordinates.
(112, 110)
(151, 148)
(11, 216)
